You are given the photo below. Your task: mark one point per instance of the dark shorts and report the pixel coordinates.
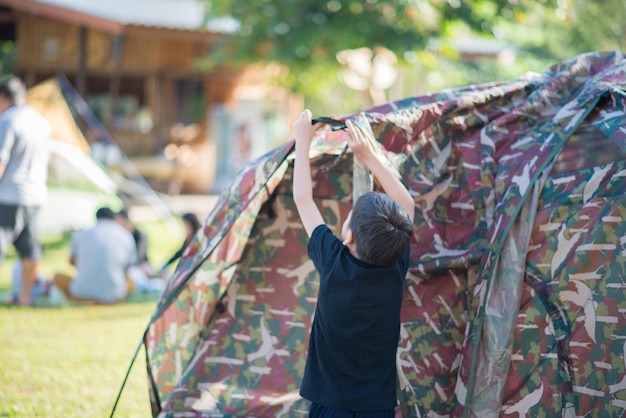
(18, 226)
(320, 411)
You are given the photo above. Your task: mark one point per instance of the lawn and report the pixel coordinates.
(71, 361)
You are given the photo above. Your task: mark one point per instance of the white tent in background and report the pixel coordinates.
(69, 165)
(47, 99)
(77, 185)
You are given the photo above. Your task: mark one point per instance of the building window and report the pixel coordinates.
(50, 48)
(127, 114)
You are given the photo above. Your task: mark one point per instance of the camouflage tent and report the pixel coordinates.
(515, 304)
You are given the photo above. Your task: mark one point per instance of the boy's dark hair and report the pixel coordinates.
(381, 227)
(13, 89)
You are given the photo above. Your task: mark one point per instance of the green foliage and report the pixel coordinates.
(7, 56)
(301, 34)
(559, 31)
(306, 36)
(596, 26)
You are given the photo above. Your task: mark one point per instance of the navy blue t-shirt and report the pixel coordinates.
(351, 362)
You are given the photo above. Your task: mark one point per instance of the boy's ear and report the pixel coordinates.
(349, 238)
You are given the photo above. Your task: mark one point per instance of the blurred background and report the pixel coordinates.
(155, 105)
(177, 95)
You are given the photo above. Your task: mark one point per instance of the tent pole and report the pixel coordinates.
(114, 85)
(132, 362)
(82, 59)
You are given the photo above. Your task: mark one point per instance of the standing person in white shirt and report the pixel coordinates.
(24, 152)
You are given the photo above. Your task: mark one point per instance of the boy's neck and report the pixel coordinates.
(352, 248)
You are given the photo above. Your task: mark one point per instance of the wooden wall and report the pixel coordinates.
(159, 56)
(155, 59)
(51, 45)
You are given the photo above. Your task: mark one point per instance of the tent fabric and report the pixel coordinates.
(93, 175)
(515, 300)
(70, 167)
(47, 99)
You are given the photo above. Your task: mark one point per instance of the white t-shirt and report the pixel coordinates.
(103, 254)
(25, 147)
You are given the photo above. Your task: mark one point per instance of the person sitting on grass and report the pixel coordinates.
(192, 225)
(141, 242)
(102, 256)
(350, 369)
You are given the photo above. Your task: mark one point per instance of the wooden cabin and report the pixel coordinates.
(144, 82)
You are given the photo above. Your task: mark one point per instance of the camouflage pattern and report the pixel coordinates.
(515, 301)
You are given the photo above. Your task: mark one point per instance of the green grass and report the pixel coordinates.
(71, 361)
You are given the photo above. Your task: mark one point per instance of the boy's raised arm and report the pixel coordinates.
(363, 149)
(303, 132)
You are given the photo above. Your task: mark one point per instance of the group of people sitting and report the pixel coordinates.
(111, 261)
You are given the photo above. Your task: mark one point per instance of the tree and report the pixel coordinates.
(567, 28)
(7, 56)
(596, 25)
(307, 36)
(302, 33)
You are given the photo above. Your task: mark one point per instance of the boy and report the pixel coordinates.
(351, 365)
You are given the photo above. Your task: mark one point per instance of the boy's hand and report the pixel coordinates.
(363, 148)
(359, 143)
(304, 130)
